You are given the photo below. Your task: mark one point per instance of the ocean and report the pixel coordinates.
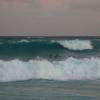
(49, 68)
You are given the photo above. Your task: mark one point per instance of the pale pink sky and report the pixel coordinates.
(50, 17)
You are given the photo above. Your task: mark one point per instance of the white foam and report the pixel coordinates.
(76, 44)
(20, 41)
(23, 40)
(70, 69)
(28, 41)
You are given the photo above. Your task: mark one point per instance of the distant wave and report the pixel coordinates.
(76, 44)
(23, 40)
(69, 69)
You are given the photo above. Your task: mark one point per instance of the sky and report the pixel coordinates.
(49, 17)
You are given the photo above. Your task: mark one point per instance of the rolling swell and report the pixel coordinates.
(69, 69)
(47, 48)
(52, 59)
(29, 49)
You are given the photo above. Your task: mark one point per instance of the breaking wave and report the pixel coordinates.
(76, 44)
(69, 69)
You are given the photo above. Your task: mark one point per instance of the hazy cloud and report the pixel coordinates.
(86, 5)
(49, 17)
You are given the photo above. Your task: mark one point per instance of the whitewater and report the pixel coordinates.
(69, 69)
(76, 44)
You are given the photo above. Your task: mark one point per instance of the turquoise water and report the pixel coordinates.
(48, 48)
(52, 68)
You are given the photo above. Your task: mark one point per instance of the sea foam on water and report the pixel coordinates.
(76, 44)
(69, 69)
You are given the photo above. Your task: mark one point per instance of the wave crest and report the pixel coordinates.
(76, 44)
(69, 69)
